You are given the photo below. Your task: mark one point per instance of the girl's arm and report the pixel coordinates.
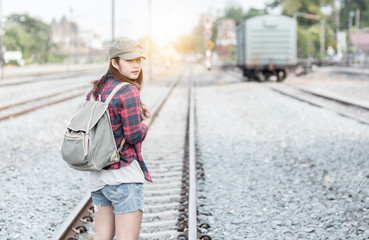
(134, 130)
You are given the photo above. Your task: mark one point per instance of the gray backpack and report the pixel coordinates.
(89, 143)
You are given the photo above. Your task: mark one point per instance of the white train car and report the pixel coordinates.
(267, 46)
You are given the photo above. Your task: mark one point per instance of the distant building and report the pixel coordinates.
(225, 39)
(64, 34)
(82, 46)
(360, 40)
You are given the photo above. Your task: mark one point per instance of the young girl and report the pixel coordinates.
(117, 190)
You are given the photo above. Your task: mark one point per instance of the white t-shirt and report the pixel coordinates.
(129, 174)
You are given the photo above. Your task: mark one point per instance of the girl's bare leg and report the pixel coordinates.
(104, 223)
(127, 225)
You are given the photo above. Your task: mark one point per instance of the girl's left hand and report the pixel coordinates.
(146, 111)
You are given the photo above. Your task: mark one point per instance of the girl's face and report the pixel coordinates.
(128, 68)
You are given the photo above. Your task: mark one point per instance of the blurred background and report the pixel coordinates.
(79, 32)
(271, 165)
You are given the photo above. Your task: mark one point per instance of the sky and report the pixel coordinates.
(169, 19)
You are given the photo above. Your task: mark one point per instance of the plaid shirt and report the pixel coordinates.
(125, 117)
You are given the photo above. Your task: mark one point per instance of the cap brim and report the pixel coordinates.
(130, 56)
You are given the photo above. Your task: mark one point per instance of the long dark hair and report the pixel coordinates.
(98, 84)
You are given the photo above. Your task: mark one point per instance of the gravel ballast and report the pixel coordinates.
(277, 168)
(346, 82)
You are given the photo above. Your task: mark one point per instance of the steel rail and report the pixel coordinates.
(9, 81)
(66, 98)
(41, 98)
(331, 97)
(19, 113)
(73, 220)
(326, 96)
(192, 209)
(296, 94)
(336, 99)
(45, 77)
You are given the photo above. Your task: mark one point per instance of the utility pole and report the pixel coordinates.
(351, 14)
(337, 16)
(150, 41)
(71, 38)
(322, 37)
(357, 19)
(112, 19)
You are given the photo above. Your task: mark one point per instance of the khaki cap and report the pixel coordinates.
(126, 49)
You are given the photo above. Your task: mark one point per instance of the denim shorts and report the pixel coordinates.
(125, 197)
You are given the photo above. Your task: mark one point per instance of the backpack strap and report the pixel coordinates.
(110, 97)
(121, 146)
(115, 90)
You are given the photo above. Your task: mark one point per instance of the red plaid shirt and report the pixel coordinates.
(125, 117)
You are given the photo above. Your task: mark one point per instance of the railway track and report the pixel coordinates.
(344, 106)
(171, 200)
(20, 80)
(354, 109)
(345, 101)
(24, 107)
(56, 75)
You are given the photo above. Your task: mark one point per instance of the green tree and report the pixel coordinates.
(308, 29)
(253, 12)
(235, 13)
(351, 5)
(29, 35)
